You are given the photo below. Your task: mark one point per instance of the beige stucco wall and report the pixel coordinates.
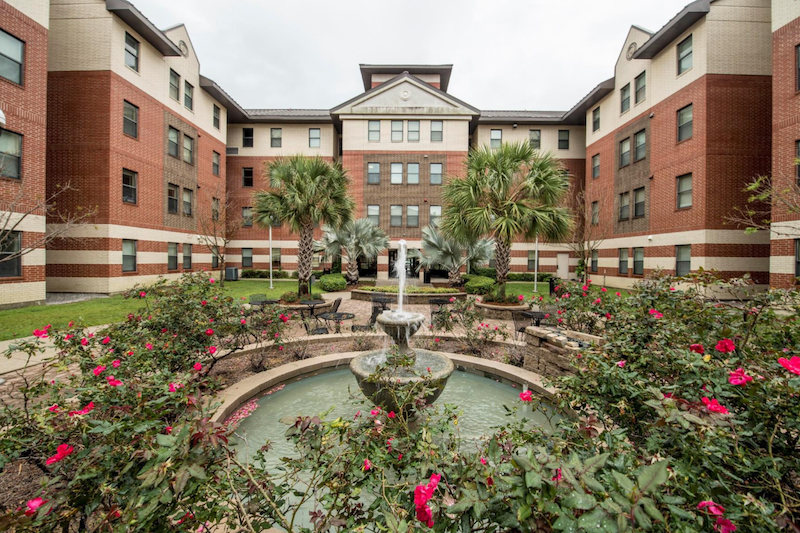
(38, 10)
(740, 37)
(79, 37)
(783, 12)
(577, 138)
(294, 140)
(455, 134)
(427, 78)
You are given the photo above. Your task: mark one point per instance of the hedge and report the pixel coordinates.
(392, 289)
(316, 273)
(479, 285)
(333, 282)
(512, 276)
(276, 274)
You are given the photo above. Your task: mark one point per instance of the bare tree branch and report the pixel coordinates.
(217, 228)
(588, 234)
(764, 200)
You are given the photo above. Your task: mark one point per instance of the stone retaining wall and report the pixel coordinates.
(551, 353)
(500, 312)
(366, 296)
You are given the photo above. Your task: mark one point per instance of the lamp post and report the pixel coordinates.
(270, 255)
(536, 265)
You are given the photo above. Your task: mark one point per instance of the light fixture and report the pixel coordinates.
(514, 125)
(652, 115)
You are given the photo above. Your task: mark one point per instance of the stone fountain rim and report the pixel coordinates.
(239, 393)
(444, 373)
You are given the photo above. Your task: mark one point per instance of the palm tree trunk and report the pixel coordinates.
(454, 277)
(305, 255)
(502, 257)
(352, 270)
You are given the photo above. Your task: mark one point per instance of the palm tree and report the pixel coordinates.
(357, 239)
(509, 192)
(440, 250)
(303, 193)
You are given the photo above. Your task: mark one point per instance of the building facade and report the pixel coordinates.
(658, 154)
(23, 101)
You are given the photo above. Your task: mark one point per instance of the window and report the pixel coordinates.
(796, 258)
(247, 258)
(684, 191)
(625, 98)
(247, 137)
(188, 95)
(595, 166)
(685, 123)
(397, 174)
(437, 131)
(174, 85)
(215, 163)
(797, 156)
(313, 137)
(276, 258)
(436, 173)
(374, 131)
(413, 131)
(215, 257)
(625, 153)
(129, 179)
(532, 260)
(216, 116)
(247, 217)
(11, 154)
(374, 214)
(436, 214)
(641, 87)
(188, 149)
(595, 213)
(563, 139)
(412, 216)
(128, 255)
(413, 173)
(624, 206)
(596, 119)
(373, 173)
(594, 260)
(172, 198)
(172, 256)
(797, 67)
(638, 202)
(397, 131)
(247, 177)
(638, 261)
(130, 119)
(131, 52)
(215, 209)
(11, 247)
(187, 202)
(187, 256)
(397, 216)
(496, 138)
(173, 137)
(535, 139)
(685, 55)
(683, 259)
(276, 137)
(623, 260)
(640, 145)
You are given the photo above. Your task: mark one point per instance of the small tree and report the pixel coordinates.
(438, 249)
(60, 223)
(510, 192)
(766, 199)
(303, 193)
(218, 227)
(358, 239)
(588, 234)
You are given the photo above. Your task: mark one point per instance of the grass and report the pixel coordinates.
(526, 288)
(15, 323)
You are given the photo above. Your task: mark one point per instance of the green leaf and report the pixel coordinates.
(642, 520)
(533, 480)
(460, 507)
(624, 483)
(595, 463)
(577, 500)
(653, 476)
(592, 483)
(523, 462)
(166, 440)
(565, 523)
(654, 513)
(197, 471)
(591, 521)
(524, 512)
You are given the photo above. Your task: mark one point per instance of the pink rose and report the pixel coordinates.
(391, 414)
(711, 507)
(142, 294)
(725, 346)
(697, 348)
(367, 464)
(792, 365)
(724, 525)
(106, 340)
(621, 364)
(211, 281)
(62, 451)
(198, 367)
(714, 406)
(113, 382)
(209, 332)
(98, 370)
(526, 396)
(520, 297)
(739, 377)
(212, 350)
(115, 363)
(33, 505)
(148, 346)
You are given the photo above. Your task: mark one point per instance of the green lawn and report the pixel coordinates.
(526, 288)
(16, 323)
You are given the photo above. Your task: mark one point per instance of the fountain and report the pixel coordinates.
(404, 365)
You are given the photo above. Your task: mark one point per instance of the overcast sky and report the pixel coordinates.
(506, 54)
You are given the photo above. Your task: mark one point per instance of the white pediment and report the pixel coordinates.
(404, 97)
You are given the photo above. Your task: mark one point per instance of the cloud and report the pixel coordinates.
(507, 54)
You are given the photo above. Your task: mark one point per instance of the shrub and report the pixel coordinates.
(264, 274)
(316, 273)
(332, 282)
(290, 297)
(485, 272)
(479, 285)
(393, 289)
(529, 276)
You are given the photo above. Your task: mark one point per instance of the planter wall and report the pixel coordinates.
(412, 299)
(552, 353)
(500, 312)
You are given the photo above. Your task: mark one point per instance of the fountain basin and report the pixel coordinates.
(430, 369)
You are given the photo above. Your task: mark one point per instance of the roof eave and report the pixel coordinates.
(444, 71)
(673, 29)
(531, 121)
(141, 25)
(577, 115)
(290, 118)
(235, 111)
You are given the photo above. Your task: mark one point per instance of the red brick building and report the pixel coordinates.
(23, 102)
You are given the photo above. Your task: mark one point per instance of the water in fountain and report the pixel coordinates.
(400, 271)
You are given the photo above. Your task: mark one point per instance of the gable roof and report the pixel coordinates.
(443, 71)
(673, 29)
(142, 25)
(577, 115)
(235, 111)
(405, 75)
(520, 117)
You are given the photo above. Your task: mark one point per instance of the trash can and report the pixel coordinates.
(427, 277)
(231, 274)
(552, 286)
